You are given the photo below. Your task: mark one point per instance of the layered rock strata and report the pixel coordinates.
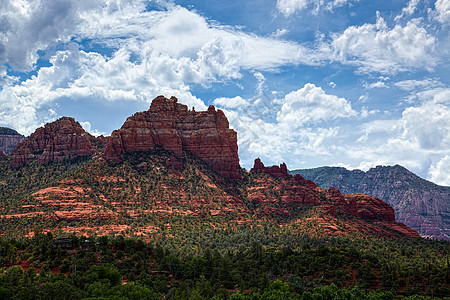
(61, 140)
(172, 126)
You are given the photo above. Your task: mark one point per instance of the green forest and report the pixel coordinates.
(223, 264)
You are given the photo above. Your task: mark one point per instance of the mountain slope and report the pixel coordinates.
(165, 170)
(418, 203)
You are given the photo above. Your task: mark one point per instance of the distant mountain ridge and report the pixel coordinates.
(9, 138)
(420, 204)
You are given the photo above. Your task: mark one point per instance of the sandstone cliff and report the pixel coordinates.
(61, 140)
(172, 126)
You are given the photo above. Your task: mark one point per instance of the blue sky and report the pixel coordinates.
(307, 82)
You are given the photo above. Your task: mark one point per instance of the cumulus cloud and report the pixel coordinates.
(440, 172)
(443, 10)
(154, 52)
(29, 26)
(88, 127)
(420, 135)
(377, 48)
(234, 102)
(311, 104)
(289, 128)
(76, 74)
(427, 126)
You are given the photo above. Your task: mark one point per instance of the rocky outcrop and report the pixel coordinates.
(281, 195)
(172, 126)
(9, 139)
(58, 141)
(371, 208)
(420, 204)
(360, 205)
(348, 204)
(275, 171)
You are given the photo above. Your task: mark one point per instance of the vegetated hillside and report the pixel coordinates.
(165, 217)
(156, 174)
(418, 203)
(265, 262)
(9, 138)
(144, 194)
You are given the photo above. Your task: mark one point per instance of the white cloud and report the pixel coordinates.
(207, 45)
(378, 84)
(88, 127)
(443, 10)
(413, 84)
(29, 26)
(376, 48)
(290, 7)
(420, 135)
(156, 52)
(440, 172)
(427, 126)
(231, 102)
(77, 74)
(290, 128)
(408, 10)
(311, 104)
(279, 33)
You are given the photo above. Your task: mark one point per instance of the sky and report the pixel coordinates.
(351, 83)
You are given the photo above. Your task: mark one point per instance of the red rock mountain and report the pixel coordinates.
(9, 139)
(295, 190)
(107, 197)
(61, 140)
(171, 125)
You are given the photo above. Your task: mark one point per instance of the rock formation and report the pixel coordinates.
(418, 203)
(275, 171)
(172, 126)
(61, 140)
(371, 208)
(295, 190)
(9, 139)
(347, 203)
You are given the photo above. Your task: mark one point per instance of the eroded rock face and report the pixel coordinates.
(275, 171)
(61, 140)
(9, 139)
(279, 194)
(371, 208)
(171, 125)
(361, 205)
(348, 204)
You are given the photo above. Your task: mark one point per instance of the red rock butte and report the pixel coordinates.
(172, 126)
(61, 140)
